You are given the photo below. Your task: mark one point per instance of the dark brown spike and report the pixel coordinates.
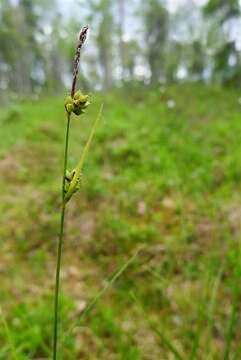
(81, 40)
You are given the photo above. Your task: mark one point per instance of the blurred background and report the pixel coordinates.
(157, 223)
(152, 43)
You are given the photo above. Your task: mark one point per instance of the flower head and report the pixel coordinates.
(78, 104)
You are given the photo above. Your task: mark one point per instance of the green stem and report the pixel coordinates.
(66, 154)
(60, 246)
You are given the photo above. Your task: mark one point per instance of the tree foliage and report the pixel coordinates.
(128, 41)
(226, 56)
(227, 9)
(156, 33)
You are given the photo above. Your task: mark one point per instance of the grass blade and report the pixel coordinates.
(168, 344)
(212, 306)
(232, 323)
(101, 293)
(8, 335)
(163, 337)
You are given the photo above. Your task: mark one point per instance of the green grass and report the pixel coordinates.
(165, 180)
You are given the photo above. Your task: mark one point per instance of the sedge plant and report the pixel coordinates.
(77, 104)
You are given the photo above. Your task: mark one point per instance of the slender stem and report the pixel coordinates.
(57, 281)
(81, 40)
(60, 246)
(66, 154)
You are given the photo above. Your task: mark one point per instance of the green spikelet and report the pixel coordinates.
(73, 178)
(77, 104)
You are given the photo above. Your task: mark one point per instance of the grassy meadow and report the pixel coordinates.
(151, 262)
